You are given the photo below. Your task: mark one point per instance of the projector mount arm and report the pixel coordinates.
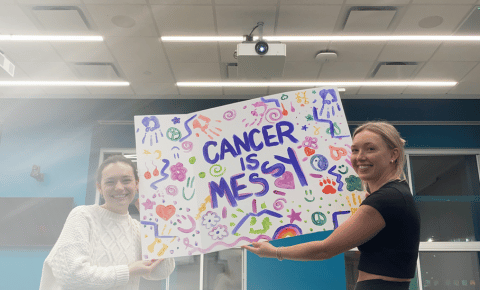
(249, 37)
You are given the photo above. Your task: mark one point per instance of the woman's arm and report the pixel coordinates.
(358, 229)
(70, 260)
(162, 270)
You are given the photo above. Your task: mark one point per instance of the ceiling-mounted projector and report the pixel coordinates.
(260, 59)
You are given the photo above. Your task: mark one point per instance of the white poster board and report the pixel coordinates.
(267, 168)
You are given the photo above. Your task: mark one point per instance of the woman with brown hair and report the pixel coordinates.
(99, 247)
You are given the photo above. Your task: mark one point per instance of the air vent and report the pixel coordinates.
(97, 71)
(61, 18)
(369, 18)
(394, 70)
(471, 25)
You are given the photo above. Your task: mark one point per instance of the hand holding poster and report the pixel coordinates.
(267, 168)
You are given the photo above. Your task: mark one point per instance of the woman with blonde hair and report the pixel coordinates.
(99, 247)
(385, 228)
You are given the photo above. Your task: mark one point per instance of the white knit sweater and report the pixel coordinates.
(94, 251)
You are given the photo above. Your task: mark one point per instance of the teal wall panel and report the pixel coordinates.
(266, 274)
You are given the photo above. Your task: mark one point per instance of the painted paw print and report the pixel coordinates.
(329, 186)
(354, 204)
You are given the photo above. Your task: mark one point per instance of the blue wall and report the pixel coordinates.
(266, 274)
(64, 138)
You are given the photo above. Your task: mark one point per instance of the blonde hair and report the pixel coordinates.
(391, 137)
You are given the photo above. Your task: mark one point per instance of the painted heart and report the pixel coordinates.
(309, 151)
(285, 181)
(165, 212)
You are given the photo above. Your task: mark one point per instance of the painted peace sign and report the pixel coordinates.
(318, 218)
(174, 134)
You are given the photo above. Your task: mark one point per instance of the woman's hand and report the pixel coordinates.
(143, 268)
(262, 249)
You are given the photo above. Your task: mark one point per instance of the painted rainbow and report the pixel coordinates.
(287, 231)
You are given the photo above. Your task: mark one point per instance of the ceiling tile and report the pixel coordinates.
(186, 72)
(246, 2)
(51, 71)
(377, 2)
(22, 91)
(301, 71)
(443, 1)
(246, 91)
(141, 49)
(345, 71)
(115, 2)
(50, 2)
(184, 20)
(147, 72)
(192, 52)
(285, 90)
(181, 2)
(134, 20)
(466, 88)
(304, 51)
(200, 91)
(155, 88)
(447, 71)
(473, 75)
(401, 51)
(66, 91)
(356, 52)
(19, 75)
(14, 21)
(296, 2)
(380, 90)
(411, 90)
(307, 19)
(86, 52)
(350, 91)
(33, 51)
(240, 20)
(110, 90)
(452, 15)
(457, 52)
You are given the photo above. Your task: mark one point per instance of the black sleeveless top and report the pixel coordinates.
(393, 251)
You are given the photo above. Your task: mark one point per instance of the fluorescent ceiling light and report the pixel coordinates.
(316, 84)
(61, 84)
(203, 38)
(322, 38)
(49, 38)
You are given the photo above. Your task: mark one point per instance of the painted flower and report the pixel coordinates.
(176, 120)
(178, 172)
(210, 219)
(219, 232)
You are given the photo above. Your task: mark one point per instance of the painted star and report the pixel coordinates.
(309, 117)
(149, 204)
(294, 216)
(304, 127)
(176, 120)
(313, 92)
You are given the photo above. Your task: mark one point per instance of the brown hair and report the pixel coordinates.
(391, 137)
(115, 159)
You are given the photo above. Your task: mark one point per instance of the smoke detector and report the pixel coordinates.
(326, 56)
